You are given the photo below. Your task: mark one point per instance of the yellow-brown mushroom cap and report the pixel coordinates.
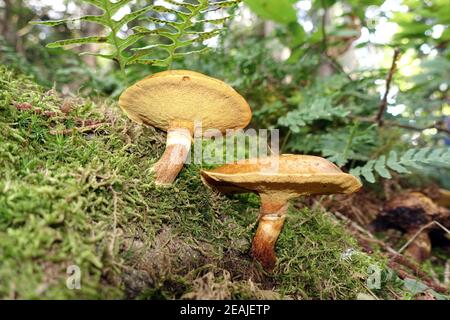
(288, 176)
(180, 98)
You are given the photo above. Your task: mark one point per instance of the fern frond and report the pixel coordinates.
(412, 158)
(77, 41)
(213, 21)
(318, 108)
(172, 32)
(109, 9)
(189, 18)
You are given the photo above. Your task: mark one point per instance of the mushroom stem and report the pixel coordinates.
(271, 220)
(178, 145)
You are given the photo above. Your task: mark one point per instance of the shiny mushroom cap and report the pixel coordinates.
(287, 176)
(178, 98)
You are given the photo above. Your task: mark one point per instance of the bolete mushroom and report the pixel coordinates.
(177, 100)
(277, 179)
(412, 213)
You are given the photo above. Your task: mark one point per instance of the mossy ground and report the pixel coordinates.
(87, 198)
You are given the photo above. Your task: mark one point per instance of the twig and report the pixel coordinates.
(396, 259)
(371, 292)
(429, 282)
(419, 232)
(383, 103)
(285, 140)
(336, 65)
(399, 125)
(406, 126)
(402, 260)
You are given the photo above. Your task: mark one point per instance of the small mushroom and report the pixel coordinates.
(409, 213)
(174, 101)
(277, 179)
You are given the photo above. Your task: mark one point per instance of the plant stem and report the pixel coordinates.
(285, 140)
(383, 103)
(350, 140)
(118, 57)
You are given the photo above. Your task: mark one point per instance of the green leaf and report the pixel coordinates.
(366, 171)
(132, 16)
(408, 155)
(179, 31)
(213, 21)
(414, 286)
(380, 167)
(392, 163)
(355, 171)
(415, 158)
(78, 41)
(53, 23)
(281, 11)
(421, 155)
(226, 4)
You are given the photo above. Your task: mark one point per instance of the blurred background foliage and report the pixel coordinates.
(321, 71)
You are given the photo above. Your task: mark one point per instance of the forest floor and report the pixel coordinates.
(76, 190)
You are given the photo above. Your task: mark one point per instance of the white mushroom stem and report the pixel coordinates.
(271, 221)
(178, 145)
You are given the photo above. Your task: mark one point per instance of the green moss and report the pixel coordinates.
(88, 199)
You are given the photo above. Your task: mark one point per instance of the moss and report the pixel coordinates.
(87, 198)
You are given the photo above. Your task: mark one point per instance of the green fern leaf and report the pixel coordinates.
(436, 154)
(310, 110)
(355, 171)
(408, 155)
(78, 41)
(367, 171)
(113, 26)
(183, 54)
(227, 4)
(380, 167)
(413, 158)
(422, 154)
(184, 34)
(213, 21)
(179, 31)
(392, 163)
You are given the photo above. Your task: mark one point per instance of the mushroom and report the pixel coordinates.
(277, 179)
(412, 213)
(176, 101)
